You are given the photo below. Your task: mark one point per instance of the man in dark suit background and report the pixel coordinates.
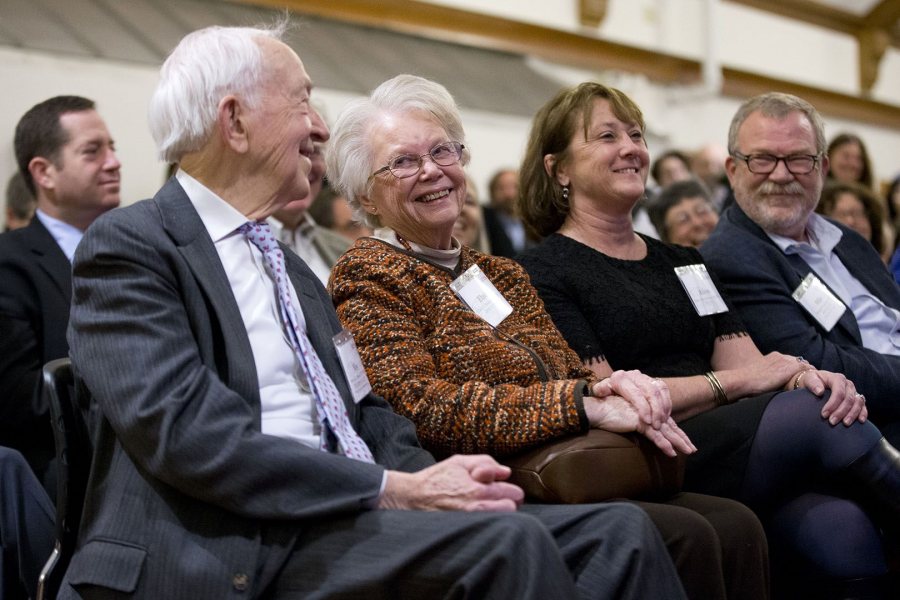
(804, 284)
(208, 480)
(504, 228)
(67, 159)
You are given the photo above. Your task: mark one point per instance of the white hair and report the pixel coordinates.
(350, 158)
(207, 65)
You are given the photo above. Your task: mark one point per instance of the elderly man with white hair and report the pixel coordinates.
(239, 451)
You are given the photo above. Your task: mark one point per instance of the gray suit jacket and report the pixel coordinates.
(187, 498)
(330, 245)
(759, 278)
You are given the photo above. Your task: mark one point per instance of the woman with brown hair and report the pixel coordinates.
(856, 206)
(770, 430)
(459, 342)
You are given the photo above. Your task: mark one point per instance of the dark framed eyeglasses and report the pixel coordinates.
(763, 164)
(407, 165)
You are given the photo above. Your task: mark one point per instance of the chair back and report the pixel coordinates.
(74, 451)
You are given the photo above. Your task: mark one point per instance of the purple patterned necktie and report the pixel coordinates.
(329, 405)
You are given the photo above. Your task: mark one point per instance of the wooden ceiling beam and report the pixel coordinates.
(883, 15)
(486, 31)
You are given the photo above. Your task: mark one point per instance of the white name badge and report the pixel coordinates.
(476, 290)
(352, 366)
(819, 301)
(701, 290)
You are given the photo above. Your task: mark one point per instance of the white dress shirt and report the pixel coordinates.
(288, 407)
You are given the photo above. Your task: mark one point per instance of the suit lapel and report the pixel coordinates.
(49, 257)
(184, 225)
(847, 322)
(880, 284)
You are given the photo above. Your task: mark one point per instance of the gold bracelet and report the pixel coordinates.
(719, 395)
(800, 378)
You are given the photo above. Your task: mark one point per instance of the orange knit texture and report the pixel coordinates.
(467, 388)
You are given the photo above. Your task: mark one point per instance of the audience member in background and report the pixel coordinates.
(68, 161)
(468, 384)
(506, 234)
(233, 457)
(292, 224)
(856, 206)
(708, 165)
(849, 160)
(892, 198)
(893, 205)
(20, 203)
(683, 213)
(27, 528)
(671, 166)
(331, 211)
(624, 301)
(468, 229)
(804, 285)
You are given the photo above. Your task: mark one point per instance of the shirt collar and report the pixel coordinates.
(823, 236)
(220, 218)
(445, 258)
(67, 236)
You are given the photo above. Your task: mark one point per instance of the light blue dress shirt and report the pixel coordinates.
(66, 236)
(879, 325)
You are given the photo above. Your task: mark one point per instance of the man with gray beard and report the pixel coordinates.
(804, 284)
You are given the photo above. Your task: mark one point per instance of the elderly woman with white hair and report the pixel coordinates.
(491, 373)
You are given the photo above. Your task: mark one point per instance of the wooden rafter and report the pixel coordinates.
(486, 31)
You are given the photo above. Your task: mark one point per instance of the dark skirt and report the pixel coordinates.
(723, 437)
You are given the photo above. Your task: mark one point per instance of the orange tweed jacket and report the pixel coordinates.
(467, 387)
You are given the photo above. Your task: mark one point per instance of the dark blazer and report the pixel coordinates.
(498, 239)
(187, 496)
(760, 279)
(35, 291)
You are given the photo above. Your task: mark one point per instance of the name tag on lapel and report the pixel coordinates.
(476, 290)
(815, 297)
(352, 366)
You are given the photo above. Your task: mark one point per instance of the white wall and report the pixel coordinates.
(746, 38)
(121, 92)
(676, 117)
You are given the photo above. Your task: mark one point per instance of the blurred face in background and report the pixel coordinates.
(672, 169)
(506, 192)
(850, 210)
(690, 222)
(468, 225)
(344, 223)
(847, 162)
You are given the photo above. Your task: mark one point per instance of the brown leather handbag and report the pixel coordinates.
(596, 466)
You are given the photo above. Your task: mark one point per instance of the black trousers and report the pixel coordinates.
(718, 546)
(27, 528)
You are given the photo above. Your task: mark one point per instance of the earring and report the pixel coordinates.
(565, 192)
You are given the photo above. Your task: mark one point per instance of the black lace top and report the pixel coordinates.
(634, 313)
